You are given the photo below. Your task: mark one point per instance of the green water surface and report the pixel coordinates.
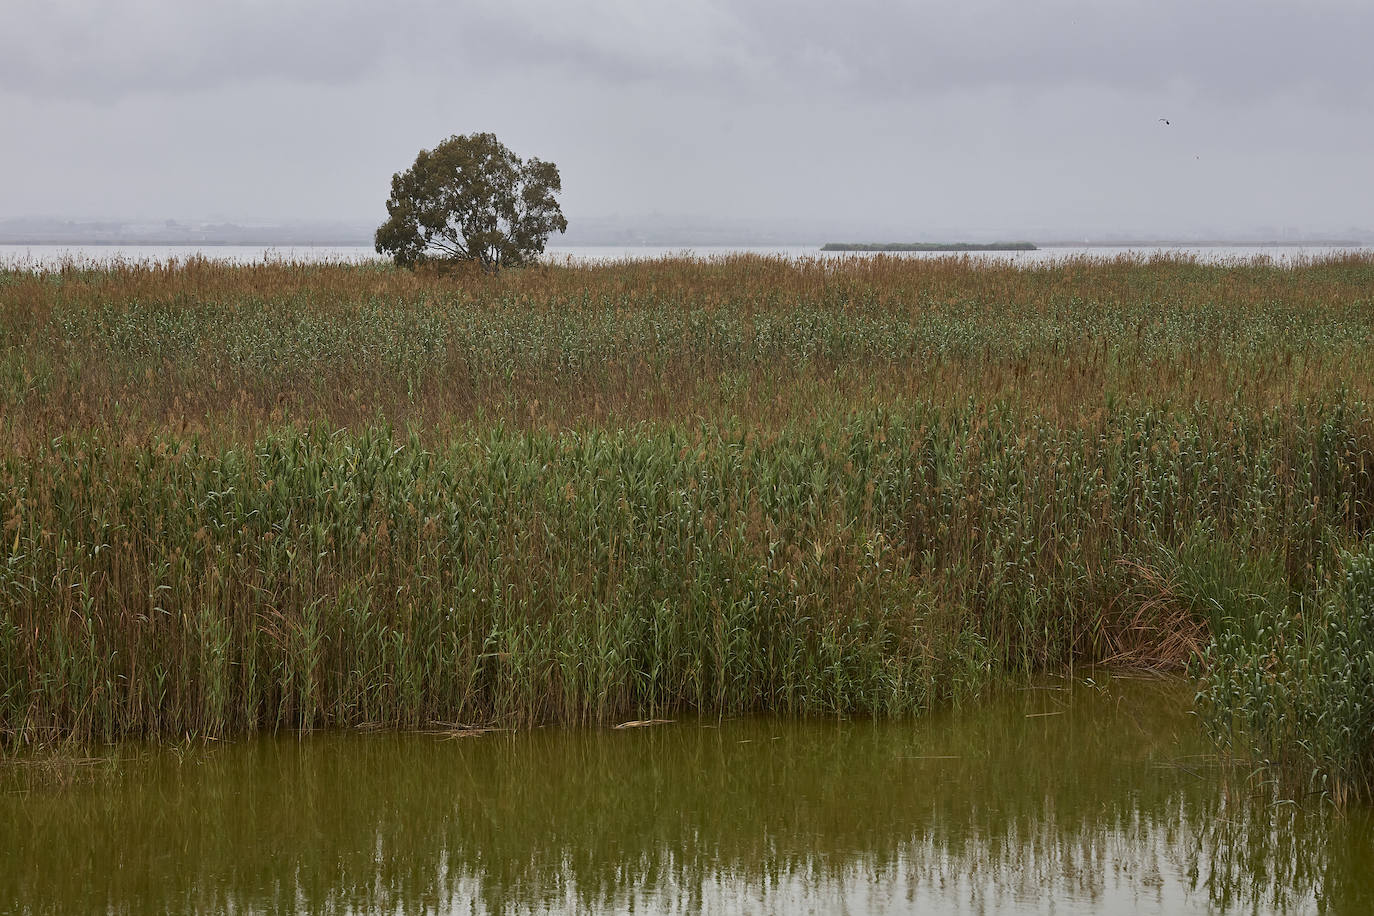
(1076, 796)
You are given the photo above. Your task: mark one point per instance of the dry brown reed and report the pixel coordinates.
(201, 347)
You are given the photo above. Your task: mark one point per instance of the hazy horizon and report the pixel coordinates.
(897, 122)
(649, 230)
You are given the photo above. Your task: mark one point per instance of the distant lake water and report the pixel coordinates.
(48, 256)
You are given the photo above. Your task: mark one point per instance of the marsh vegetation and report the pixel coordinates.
(928, 246)
(293, 496)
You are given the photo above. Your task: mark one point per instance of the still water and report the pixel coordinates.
(49, 256)
(1071, 797)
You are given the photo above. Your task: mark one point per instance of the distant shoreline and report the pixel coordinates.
(857, 247)
(927, 246)
(1208, 243)
(153, 242)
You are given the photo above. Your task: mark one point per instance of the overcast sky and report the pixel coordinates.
(1001, 116)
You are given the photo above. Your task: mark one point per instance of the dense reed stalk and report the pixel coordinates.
(874, 565)
(276, 496)
(1289, 676)
(226, 351)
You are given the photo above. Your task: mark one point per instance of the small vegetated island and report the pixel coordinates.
(237, 499)
(928, 246)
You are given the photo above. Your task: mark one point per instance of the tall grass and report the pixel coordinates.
(302, 496)
(873, 565)
(1289, 678)
(227, 351)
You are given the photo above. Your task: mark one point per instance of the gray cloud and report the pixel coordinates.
(1221, 46)
(105, 51)
(101, 51)
(985, 113)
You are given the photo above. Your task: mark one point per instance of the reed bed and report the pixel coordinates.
(871, 566)
(228, 351)
(294, 496)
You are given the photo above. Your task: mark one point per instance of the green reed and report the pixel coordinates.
(1289, 677)
(874, 565)
(229, 350)
(851, 486)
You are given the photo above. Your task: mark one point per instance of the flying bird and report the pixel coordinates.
(1166, 121)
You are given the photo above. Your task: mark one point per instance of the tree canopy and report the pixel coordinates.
(471, 199)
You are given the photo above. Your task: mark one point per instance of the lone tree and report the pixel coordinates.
(471, 199)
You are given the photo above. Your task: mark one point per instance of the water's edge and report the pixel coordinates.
(1091, 795)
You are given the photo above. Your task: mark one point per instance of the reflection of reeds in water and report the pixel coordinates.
(692, 817)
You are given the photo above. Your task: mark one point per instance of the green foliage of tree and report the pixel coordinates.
(471, 199)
